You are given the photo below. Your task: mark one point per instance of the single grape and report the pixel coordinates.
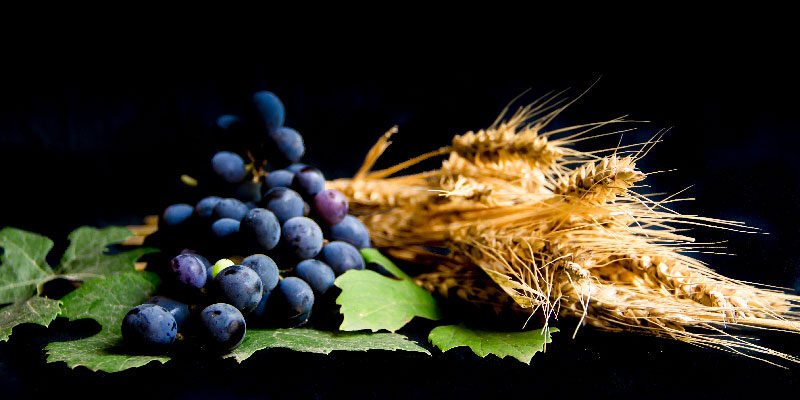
(149, 326)
(279, 178)
(219, 266)
(350, 230)
(296, 300)
(180, 311)
(205, 207)
(225, 228)
(317, 274)
(284, 203)
(263, 309)
(177, 214)
(224, 326)
(302, 237)
(295, 168)
(240, 287)
(249, 191)
(308, 182)
(230, 208)
(289, 143)
(229, 166)
(189, 270)
(269, 109)
(227, 122)
(331, 206)
(202, 259)
(261, 227)
(341, 257)
(266, 269)
(306, 209)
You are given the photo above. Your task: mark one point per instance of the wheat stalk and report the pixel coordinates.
(560, 232)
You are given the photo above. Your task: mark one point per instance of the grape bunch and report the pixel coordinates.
(279, 237)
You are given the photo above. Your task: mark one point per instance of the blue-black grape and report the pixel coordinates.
(266, 269)
(279, 178)
(331, 206)
(317, 274)
(230, 208)
(149, 326)
(240, 287)
(289, 143)
(296, 299)
(224, 326)
(302, 237)
(180, 311)
(261, 227)
(229, 166)
(177, 214)
(202, 259)
(227, 122)
(225, 228)
(296, 167)
(306, 209)
(189, 270)
(205, 207)
(249, 191)
(284, 203)
(308, 182)
(341, 257)
(269, 109)
(350, 230)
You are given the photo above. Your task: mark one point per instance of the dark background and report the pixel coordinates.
(103, 142)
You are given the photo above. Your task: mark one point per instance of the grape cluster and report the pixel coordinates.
(297, 235)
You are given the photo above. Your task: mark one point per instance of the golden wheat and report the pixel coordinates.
(560, 232)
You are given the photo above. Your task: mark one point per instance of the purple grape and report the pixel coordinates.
(331, 206)
(279, 178)
(342, 257)
(317, 274)
(177, 214)
(262, 228)
(189, 270)
(302, 237)
(284, 203)
(266, 269)
(289, 143)
(308, 182)
(294, 299)
(224, 326)
(230, 208)
(149, 326)
(229, 166)
(350, 230)
(179, 311)
(269, 109)
(240, 287)
(205, 207)
(225, 228)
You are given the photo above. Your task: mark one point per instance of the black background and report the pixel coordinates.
(103, 141)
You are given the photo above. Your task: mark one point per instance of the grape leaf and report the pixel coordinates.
(24, 270)
(323, 342)
(520, 345)
(372, 301)
(35, 310)
(105, 301)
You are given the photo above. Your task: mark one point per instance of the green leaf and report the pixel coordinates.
(372, 301)
(520, 345)
(86, 256)
(35, 310)
(314, 341)
(22, 265)
(23, 269)
(105, 301)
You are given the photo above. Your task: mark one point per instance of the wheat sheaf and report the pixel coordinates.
(561, 232)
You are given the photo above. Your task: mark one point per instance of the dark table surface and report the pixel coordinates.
(104, 144)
